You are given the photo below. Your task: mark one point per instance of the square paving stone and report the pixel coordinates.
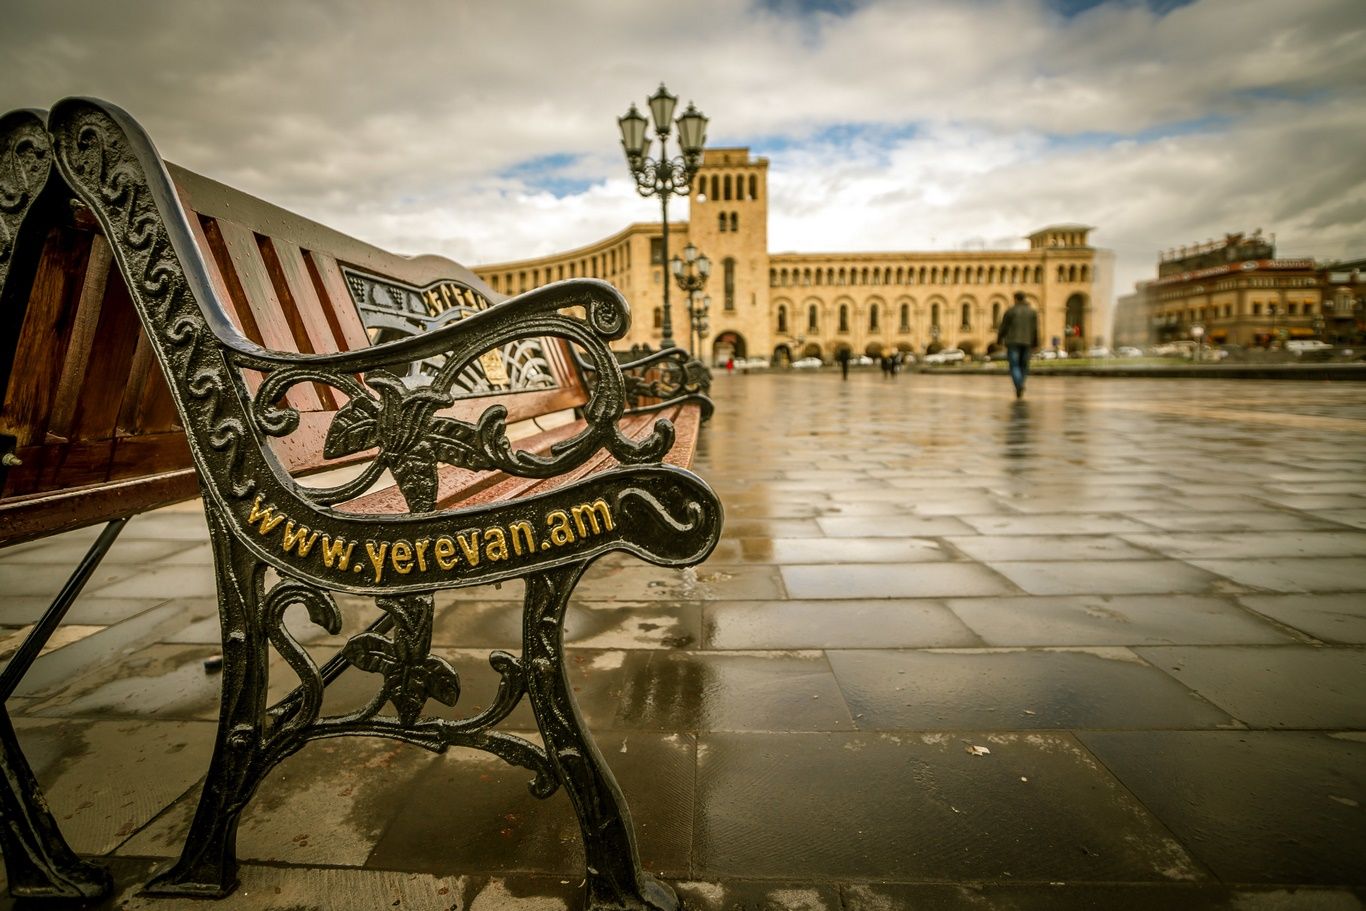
(728, 691)
(187, 581)
(833, 624)
(741, 526)
(843, 550)
(588, 624)
(270, 888)
(1271, 807)
(1114, 620)
(1242, 545)
(1014, 689)
(920, 807)
(654, 583)
(1292, 574)
(1276, 686)
(1015, 548)
(470, 812)
(327, 804)
(45, 580)
(106, 779)
(893, 527)
(1121, 577)
(1054, 525)
(1256, 520)
(1332, 618)
(874, 580)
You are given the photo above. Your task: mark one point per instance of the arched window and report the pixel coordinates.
(981, 272)
(773, 278)
(991, 275)
(844, 317)
(659, 317)
(782, 319)
(728, 272)
(872, 318)
(721, 222)
(783, 280)
(905, 317)
(957, 275)
(734, 221)
(1085, 273)
(806, 277)
(715, 188)
(1062, 273)
(900, 275)
(843, 277)
(1072, 272)
(1038, 275)
(934, 275)
(920, 278)
(753, 187)
(811, 322)
(996, 315)
(725, 187)
(967, 317)
(934, 315)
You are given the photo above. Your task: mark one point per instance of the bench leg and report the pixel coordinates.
(38, 861)
(615, 879)
(207, 867)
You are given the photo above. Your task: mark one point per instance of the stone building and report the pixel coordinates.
(1239, 293)
(789, 305)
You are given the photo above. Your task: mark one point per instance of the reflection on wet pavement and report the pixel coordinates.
(953, 648)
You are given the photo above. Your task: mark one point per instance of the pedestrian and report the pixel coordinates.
(1019, 332)
(843, 357)
(730, 365)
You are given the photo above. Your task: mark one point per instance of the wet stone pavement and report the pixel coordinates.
(1102, 648)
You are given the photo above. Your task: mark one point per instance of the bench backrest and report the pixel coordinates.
(86, 411)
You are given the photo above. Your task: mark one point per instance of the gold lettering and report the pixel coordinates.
(520, 530)
(401, 558)
(265, 516)
(495, 544)
(377, 556)
(433, 301)
(470, 546)
(421, 545)
(332, 551)
(560, 531)
(591, 511)
(444, 551)
(300, 539)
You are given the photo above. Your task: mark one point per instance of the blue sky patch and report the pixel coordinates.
(550, 174)
(1070, 8)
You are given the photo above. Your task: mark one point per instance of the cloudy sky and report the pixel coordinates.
(487, 131)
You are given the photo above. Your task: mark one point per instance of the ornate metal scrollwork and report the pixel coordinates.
(25, 161)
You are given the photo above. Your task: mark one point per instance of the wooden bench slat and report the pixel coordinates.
(44, 336)
(82, 341)
(341, 312)
(106, 379)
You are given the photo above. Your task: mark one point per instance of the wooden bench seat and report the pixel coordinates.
(345, 413)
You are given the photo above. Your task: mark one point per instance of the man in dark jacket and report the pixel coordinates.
(1019, 332)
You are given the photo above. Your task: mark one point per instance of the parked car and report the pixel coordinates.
(947, 356)
(1129, 351)
(862, 360)
(1099, 351)
(807, 363)
(752, 363)
(1301, 345)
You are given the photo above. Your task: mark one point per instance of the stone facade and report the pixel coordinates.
(1241, 294)
(789, 305)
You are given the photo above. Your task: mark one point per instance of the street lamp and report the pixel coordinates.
(663, 177)
(691, 272)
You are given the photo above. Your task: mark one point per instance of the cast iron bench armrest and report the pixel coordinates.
(656, 381)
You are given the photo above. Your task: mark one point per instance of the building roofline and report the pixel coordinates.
(597, 246)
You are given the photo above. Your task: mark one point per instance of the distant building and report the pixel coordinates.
(791, 305)
(1241, 294)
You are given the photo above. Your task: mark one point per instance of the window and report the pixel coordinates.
(782, 319)
(728, 270)
(967, 317)
(812, 324)
(1257, 309)
(721, 222)
(996, 315)
(872, 318)
(905, 317)
(934, 315)
(844, 317)
(753, 187)
(659, 317)
(656, 251)
(734, 222)
(725, 187)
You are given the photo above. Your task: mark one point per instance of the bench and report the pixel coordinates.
(166, 337)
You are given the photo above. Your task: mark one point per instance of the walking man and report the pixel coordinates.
(1019, 332)
(843, 357)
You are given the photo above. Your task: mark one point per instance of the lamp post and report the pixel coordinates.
(691, 271)
(664, 177)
